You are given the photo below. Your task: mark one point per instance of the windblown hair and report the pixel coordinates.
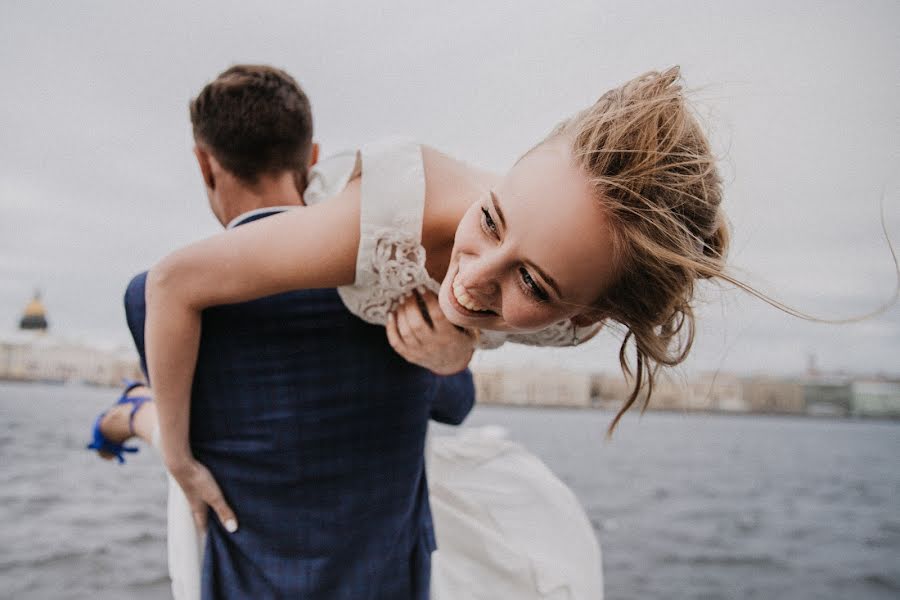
(652, 168)
(255, 120)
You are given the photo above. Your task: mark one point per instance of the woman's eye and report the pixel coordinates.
(488, 221)
(532, 286)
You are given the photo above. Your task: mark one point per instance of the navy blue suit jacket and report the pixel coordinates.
(314, 428)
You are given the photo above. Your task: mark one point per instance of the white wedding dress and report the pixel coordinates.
(506, 526)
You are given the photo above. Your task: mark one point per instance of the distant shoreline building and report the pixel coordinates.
(33, 354)
(828, 396)
(874, 398)
(772, 395)
(34, 317)
(816, 394)
(532, 387)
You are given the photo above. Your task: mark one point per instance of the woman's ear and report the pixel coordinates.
(587, 318)
(584, 320)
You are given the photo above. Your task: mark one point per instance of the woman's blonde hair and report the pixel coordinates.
(652, 168)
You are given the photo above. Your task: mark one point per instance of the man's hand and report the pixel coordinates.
(419, 332)
(202, 493)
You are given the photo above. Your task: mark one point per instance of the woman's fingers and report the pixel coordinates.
(435, 314)
(417, 316)
(203, 493)
(212, 495)
(406, 345)
(224, 512)
(198, 511)
(410, 323)
(392, 334)
(395, 339)
(419, 332)
(422, 304)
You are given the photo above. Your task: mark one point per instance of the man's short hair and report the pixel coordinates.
(255, 120)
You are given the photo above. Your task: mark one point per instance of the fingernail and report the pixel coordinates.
(230, 525)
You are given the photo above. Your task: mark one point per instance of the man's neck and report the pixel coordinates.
(269, 192)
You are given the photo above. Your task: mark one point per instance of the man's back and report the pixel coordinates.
(314, 428)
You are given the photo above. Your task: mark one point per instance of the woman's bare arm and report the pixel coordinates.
(309, 247)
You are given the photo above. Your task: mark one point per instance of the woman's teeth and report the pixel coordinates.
(463, 297)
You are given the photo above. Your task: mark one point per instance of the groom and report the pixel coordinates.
(309, 421)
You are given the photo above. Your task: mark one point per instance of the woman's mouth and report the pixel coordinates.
(464, 302)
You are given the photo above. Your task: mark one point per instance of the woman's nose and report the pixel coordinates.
(481, 276)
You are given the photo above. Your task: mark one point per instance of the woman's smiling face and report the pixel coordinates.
(534, 250)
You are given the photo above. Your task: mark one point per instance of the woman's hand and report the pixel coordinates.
(202, 493)
(419, 332)
(256, 260)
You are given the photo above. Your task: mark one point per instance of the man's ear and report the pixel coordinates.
(204, 161)
(313, 154)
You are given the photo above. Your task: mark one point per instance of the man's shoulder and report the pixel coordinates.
(134, 292)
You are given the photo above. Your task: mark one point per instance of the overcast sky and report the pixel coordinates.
(97, 181)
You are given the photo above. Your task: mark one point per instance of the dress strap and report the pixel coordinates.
(393, 185)
(329, 176)
(392, 200)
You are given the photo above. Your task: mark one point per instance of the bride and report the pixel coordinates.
(612, 218)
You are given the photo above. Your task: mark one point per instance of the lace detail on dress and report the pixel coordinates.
(561, 333)
(398, 264)
(390, 263)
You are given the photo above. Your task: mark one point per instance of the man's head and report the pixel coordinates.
(253, 124)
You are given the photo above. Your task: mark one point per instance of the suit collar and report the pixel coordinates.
(256, 214)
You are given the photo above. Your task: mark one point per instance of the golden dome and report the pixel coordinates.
(35, 308)
(35, 316)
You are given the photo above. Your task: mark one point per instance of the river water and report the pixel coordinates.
(684, 506)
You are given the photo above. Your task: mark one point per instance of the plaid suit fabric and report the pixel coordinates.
(314, 428)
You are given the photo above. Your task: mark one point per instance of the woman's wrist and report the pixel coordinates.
(456, 366)
(178, 460)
